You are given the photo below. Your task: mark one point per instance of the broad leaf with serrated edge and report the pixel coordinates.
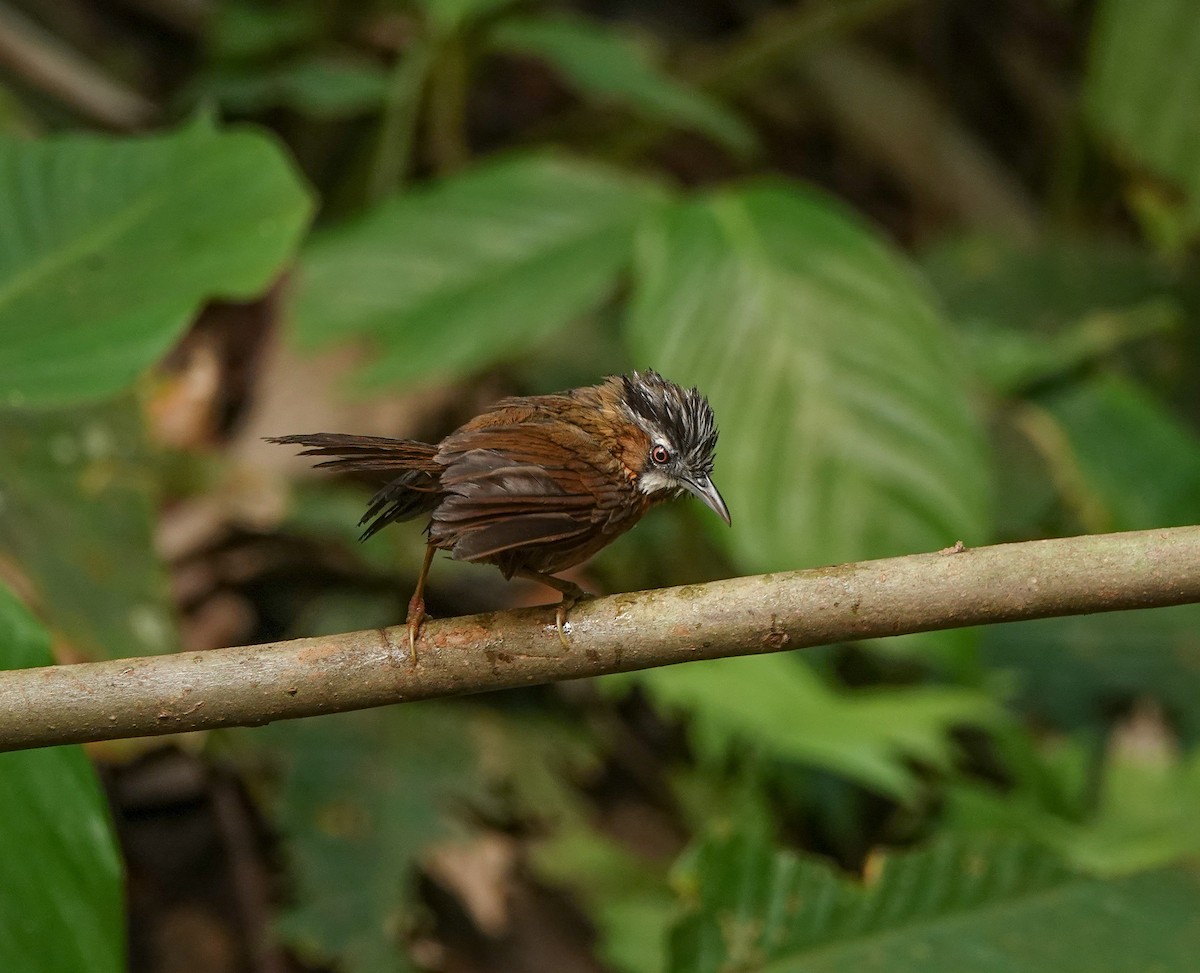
(473, 268)
(970, 905)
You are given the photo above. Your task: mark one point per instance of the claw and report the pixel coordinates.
(571, 593)
(560, 616)
(568, 602)
(416, 618)
(416, 605)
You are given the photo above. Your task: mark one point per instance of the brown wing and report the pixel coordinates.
(529, 495)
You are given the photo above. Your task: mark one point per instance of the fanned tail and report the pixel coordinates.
(416, 489)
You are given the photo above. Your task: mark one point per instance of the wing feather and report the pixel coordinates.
(510, 490)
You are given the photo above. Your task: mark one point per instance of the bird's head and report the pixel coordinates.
(681, 438)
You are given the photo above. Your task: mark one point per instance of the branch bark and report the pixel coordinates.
(253, 685)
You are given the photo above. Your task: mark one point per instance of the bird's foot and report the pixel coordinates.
(415, 619)
(569, 600)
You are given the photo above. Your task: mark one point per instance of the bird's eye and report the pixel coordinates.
(660, 455)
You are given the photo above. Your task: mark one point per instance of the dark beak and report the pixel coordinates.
(703, 488)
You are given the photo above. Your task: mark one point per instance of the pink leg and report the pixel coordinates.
(416, 604)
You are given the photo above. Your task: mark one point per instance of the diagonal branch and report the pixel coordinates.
(45, 62)
(252, 685)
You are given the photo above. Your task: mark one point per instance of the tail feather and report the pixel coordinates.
(417, 489)
(364, 452)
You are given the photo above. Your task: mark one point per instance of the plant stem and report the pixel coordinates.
(398, 124)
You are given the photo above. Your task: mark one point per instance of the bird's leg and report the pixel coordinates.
(571, 593)
(416, 604)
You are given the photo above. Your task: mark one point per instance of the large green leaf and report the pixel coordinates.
(76, 523)
(846, 432)
(108, 247)
(474, 268)
(362, 796)
(60, 871)
(1142, 87)
(972, 906)
(777, 703)
(605, 64)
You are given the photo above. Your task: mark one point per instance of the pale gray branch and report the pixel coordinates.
(252, 685)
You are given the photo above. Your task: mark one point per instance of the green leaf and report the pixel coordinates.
(1074, 671)
(363, 795)
(475, 268)
(605, 64)
(777, 703)
(1141, 88)
(77, 519)
(109, 247)
(322, 88)
(60, 872)
(846, 431)
(1139, 464)
(971, 906)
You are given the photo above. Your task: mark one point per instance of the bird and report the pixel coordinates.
(537, 484)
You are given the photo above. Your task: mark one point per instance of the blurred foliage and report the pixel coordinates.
(487, 264)
(77, 520)
(935, 267)
(60, 867)
(603, 65)
(866, 737)
(1142, 80)
(355, 820)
